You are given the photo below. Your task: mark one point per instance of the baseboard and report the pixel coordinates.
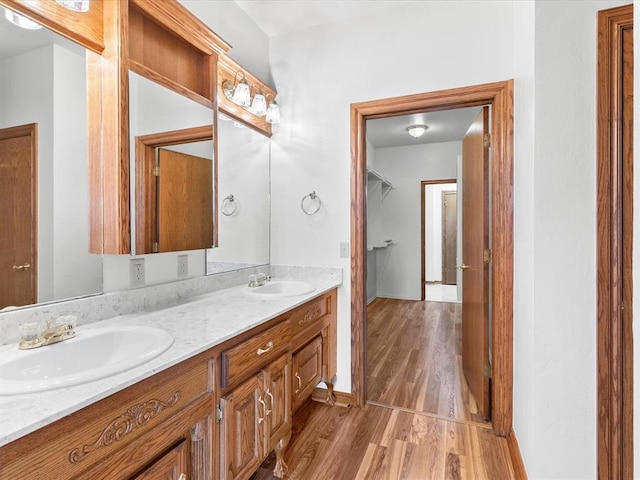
(516, 457)
(342, 399)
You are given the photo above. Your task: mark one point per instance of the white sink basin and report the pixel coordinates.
(89, 356)
(282, 288)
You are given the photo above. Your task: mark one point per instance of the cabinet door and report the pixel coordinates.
(242, 435)
(171, 466)
(278, 399)
(307, 370)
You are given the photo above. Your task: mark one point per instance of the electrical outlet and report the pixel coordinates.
(344, 250)
(183, 266)
(136, 272)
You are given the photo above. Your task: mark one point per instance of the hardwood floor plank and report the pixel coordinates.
(414, 358)
(382, 443)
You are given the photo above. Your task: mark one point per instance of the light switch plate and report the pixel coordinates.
(183, 266)
(344, 250)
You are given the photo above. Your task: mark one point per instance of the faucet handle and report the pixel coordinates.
(29, 331)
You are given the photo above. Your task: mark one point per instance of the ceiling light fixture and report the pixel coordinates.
(417, 130)
(21, 21)
(239, 92)
(80, 6)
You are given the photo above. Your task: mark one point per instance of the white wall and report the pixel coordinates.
(549, 48)
(311, 149)
(399, 266)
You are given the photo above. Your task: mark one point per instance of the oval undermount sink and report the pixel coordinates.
(90, 355)
(282, 288)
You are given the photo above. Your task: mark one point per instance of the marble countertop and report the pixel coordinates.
(197, 324)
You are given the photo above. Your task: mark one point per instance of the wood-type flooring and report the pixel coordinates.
(378, 442)
(414, 358)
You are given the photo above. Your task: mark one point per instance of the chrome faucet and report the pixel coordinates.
(258, 280)
(64, 329)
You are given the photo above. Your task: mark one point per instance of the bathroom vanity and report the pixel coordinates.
(214, 405)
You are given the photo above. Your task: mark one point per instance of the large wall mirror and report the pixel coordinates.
(243, 185)
(173, 199)
(44, 186)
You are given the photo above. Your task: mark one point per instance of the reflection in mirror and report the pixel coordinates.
(157, 112)
(243, 221)
(43, 169)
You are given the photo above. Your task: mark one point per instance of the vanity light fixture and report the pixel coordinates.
(240, 93)
(80, 6)
(417, 130)
(21, 21)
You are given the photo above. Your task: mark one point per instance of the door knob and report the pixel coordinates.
(463, 267)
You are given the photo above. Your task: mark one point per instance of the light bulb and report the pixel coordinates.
(21, 21)
(242, 94)
(273, 113)
(75, 5)
(417, 130)
(259, 105)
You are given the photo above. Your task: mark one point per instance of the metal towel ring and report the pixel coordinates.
(229, 206)
(313, 198)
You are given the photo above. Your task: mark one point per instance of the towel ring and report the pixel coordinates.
(229, 206)
(313, 198)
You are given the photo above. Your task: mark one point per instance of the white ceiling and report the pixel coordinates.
(275, 17)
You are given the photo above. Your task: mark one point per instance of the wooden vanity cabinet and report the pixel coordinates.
(161, 427)
(314, 347)
(256, 416)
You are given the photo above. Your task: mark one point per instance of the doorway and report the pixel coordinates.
(499, 96)
(440, 246)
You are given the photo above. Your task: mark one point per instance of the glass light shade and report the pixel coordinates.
(417, 130)
(20, 21)
(259, 105)
(75, 5)
(273, 113)
(242, 94)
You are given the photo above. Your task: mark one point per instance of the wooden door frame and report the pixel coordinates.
(614, 325)
(500, 96)
(146, 195)
(423, 224)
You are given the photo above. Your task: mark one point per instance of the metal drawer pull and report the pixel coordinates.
(267, 348)
(264, 408)
(183, 476)
(299, 383)
(268, 394)
(22, 267)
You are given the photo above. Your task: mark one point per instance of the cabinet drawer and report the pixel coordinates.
(250, 356)
(310, 313)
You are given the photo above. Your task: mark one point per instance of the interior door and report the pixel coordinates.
(18, 222)
(449, 236)
(185, 207)
(475, 277)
